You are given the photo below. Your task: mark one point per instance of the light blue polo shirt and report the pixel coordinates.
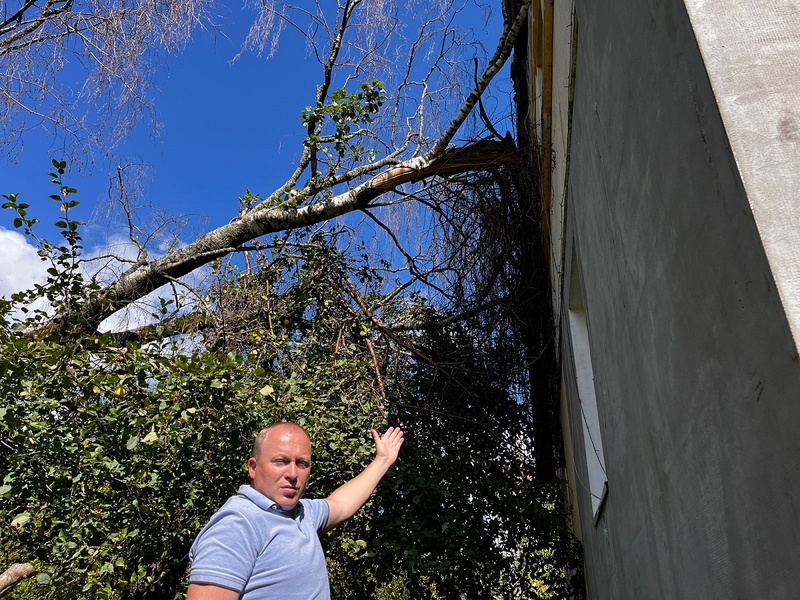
(252, 546)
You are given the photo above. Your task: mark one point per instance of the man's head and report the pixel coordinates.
(281, 463)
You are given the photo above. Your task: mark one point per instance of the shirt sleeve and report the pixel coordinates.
(225, 552)
(318, 511)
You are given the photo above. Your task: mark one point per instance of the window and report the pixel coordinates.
(587, 398)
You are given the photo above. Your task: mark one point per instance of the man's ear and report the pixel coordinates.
(251, 466)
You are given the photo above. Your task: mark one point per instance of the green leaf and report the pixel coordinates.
(43, 579)
(4, 489)
(133, 441)
(267, 390)
(150, 437)
(21, 519)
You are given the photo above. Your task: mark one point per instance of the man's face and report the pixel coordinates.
(281, 471)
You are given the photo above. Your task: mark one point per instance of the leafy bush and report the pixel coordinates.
(117, 452)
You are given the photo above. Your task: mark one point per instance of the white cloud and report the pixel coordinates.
(20, 265)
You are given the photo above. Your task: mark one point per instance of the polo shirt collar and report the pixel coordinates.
(265, 503)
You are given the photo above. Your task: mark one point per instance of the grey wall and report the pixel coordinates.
(697, 375)
(752, 51)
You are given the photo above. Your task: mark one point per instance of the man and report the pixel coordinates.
(264, 543)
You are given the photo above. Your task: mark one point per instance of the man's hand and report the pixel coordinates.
(346, 500)
(388, 446)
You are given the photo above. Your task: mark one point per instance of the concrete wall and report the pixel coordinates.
(696, 370)
(752, 51)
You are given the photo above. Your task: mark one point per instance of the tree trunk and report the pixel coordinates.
(13, 575)
(142, 279)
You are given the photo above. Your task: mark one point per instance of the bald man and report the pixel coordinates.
(264, 542)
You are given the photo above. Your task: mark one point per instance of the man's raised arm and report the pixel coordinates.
(347, 499)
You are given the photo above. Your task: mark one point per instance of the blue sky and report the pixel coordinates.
(226, 128)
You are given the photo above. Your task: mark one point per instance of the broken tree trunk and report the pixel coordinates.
(144, 278)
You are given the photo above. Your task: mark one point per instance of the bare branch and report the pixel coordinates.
(428, 324)
(496, 63)
(114, 43)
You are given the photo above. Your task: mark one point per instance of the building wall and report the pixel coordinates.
(563, 32)
(696, 371)
(751, 51)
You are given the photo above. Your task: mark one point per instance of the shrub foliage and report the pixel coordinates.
(117, 448)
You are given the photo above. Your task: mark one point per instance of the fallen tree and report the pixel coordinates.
(308, 197)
